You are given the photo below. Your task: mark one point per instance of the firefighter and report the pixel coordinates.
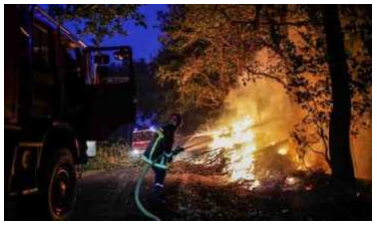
(159, 153)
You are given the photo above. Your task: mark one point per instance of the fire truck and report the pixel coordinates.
(59, 94)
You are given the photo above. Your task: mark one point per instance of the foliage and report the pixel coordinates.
(210, 49)
(111, 156)
(312, 89)
(148, 92)
(98, 21)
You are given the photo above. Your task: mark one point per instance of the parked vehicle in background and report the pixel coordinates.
(141, 139)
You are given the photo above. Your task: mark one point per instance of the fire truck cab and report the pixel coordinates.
(55, 93)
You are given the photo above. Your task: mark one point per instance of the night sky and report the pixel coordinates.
(144, 41)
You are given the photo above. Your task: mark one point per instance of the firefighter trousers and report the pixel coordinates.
(159, 177)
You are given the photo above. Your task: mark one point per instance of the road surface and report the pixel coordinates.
(109, 196)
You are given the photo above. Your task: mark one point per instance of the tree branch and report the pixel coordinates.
(267, 75)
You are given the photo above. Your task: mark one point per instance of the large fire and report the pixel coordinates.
(252, 135)
(240, 138)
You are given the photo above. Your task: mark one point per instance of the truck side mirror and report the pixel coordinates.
(122, 54)
(102, 59)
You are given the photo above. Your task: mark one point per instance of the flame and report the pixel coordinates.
(291, 180)
(283, 151)
(251, 133)
(240, 140)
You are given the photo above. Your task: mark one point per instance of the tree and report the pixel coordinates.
(340, 120)
(148, 95)
(98, 21)
(216, 46)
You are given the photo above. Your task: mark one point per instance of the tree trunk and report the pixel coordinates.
(340, 121)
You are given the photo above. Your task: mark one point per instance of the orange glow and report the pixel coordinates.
(240, 138)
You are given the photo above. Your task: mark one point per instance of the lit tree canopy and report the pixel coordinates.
(209, 49)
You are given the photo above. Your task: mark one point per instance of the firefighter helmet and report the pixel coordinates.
(176, 119)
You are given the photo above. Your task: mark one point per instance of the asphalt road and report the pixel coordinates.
(109, 196)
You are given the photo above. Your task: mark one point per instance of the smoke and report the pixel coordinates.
(267, 103)
(361, 147)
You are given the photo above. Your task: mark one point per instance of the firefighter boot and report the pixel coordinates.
(158, 195)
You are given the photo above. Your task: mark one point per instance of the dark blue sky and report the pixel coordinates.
(144, 41)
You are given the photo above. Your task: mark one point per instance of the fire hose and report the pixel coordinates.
(144, 172)
(139, 205)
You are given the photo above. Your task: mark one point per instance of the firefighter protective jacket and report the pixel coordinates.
(159, 151)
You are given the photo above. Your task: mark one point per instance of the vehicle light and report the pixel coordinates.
(135, 151)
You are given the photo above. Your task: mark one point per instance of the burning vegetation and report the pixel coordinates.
(251, 139)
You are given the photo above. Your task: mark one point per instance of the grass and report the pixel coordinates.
(110, 156)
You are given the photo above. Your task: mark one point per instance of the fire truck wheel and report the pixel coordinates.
(60, 186)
